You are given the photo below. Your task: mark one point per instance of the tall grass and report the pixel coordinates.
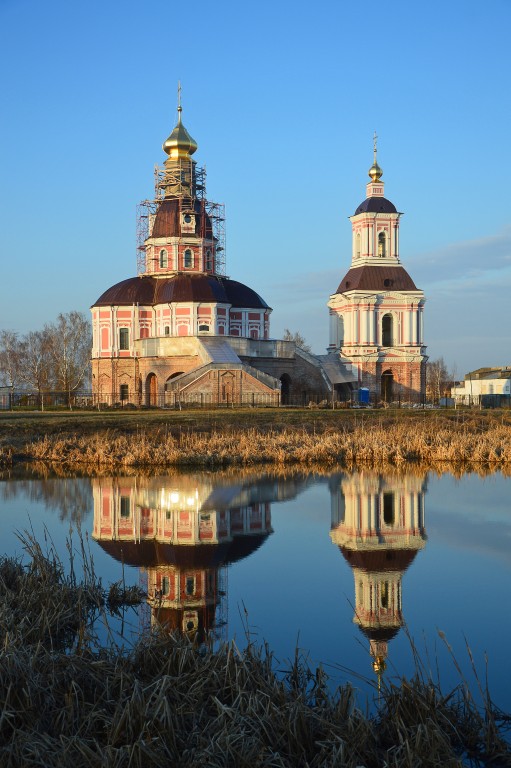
(386, 442)
(67, 701)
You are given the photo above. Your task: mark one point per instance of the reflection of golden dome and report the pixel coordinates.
(375, 172)
(379, 665)
(179, 143)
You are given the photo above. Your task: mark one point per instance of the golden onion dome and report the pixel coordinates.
(180, 143)
(379, 665)
(375, 172)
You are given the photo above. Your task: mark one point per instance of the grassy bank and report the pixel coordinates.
(242, 438)
(67, 701)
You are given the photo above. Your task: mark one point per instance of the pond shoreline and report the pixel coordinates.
(221, 439)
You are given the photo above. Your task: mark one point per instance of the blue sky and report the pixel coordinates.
(283, 99)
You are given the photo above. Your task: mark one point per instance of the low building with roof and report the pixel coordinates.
(181, 331)
(485, 386)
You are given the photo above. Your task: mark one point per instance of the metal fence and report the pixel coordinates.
(87, 400)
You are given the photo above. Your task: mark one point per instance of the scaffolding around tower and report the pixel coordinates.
(169, 186)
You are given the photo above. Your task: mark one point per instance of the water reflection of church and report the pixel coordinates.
(378, 524)
(182, 532)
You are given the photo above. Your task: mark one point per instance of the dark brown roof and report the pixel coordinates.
(376, 205)
(150, 553)
(376, 279)
(167, 221)
(373, 560)
(181, 287)
(381, 634)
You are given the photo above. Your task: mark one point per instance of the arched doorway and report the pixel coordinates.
(151, 390)
(172, 376)
(387, 381)
(227, 388)
(285, 390)
(172, 396)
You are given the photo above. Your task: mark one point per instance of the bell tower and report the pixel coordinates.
(376, 314)
(378, 523)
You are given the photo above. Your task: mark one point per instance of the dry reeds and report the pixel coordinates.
(66, 701)
(386, 443)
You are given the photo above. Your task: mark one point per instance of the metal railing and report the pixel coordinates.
(17, 400)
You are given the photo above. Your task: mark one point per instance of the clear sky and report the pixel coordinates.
(283, 99)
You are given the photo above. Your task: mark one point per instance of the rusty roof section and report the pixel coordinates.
(381, 279)
(167, 222)
(181, 287)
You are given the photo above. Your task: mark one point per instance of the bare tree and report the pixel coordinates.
(10, 358)
(298, 339)
(35, 368)
(437, 379)
(69, 347)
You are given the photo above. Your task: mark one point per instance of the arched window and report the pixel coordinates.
(203, 327)
(167, 330)
(124, 338)
(384, 594)
(388, 509)
(357, 246)
(209, 261)
(164, 259)
(340, 330)
(188, 259)
(386, 331)
(382, 247)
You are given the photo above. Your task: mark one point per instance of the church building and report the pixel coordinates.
(376, 313)
(181, 331)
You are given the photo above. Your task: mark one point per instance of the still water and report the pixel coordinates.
(353, 569)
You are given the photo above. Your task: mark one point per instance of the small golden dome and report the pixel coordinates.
(379, 665)
(375, 172)
(179, 143)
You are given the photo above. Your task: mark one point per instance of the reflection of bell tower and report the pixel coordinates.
(378, 524)
(182, 531)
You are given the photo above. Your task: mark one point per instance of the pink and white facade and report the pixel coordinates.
(178, 314)
(181, 331)
(378, 523)
(183, 531)
(376, 314)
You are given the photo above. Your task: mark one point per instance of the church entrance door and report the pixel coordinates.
(387, 381)
(151, 390)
